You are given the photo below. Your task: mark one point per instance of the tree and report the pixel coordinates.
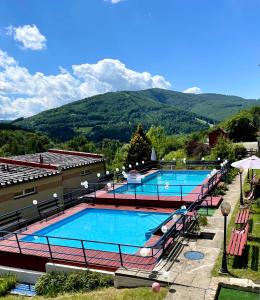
(241, 128)
(140, 147)
(157, 136)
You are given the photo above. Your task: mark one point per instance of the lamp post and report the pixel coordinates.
(241, 187)
(225, 210)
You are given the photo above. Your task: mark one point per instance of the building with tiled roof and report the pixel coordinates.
(24, 178)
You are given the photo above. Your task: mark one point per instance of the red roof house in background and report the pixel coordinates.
(215, 135)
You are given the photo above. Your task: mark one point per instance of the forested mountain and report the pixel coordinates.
(215, 106)
(14, 141)
(115, 115)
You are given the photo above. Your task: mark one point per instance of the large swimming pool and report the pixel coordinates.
(103, 225)
(166, 183)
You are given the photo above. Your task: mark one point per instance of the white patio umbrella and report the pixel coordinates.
(250, 163)
(153, 155)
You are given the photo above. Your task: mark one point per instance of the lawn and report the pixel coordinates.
(231, 294)
(105, 294)
(248, 265)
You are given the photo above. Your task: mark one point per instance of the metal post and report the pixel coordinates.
(181, 192)
(120, 254)
(224, 268)
(95, 191)
(241, 190)
(158, 197)
(135, 192)
(49, 246)
(114, 191)
(82, 245)
(183, 223)
(18, 244)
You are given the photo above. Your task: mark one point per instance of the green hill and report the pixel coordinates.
(215, 106)
(14, 141)
(115, 115)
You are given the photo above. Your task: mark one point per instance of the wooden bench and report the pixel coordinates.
(242, 216)
(49, 207)
(238, 241)
(12, 221)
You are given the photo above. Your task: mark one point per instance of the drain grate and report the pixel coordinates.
(194, 255)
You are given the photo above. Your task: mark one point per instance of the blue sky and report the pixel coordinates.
(209, 46)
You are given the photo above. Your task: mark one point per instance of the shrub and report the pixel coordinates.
(7, 282)
(54, 283)
(203, 221)
(219, 191)
(258, 202)
(197, 149)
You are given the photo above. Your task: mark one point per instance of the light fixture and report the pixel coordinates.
(123, 168)
(144, 252)
(117, 170)
(164, 228)
(35, 202)
(136, 163)
(55, 195)
(225, 208)
(130, 166)
(98, 175)
(142, 162)
(107, 172)
(84, 184)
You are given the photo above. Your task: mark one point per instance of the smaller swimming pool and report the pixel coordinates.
(101, 227)
(166, 183)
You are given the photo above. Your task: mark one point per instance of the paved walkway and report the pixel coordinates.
(192, 279)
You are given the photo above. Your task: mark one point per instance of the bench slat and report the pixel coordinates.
(242, 216)
(238, 241)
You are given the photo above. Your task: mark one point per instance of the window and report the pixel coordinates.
(25, 192)
(85, 172)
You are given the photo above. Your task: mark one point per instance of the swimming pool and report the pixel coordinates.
(166, 183)
(103, 225)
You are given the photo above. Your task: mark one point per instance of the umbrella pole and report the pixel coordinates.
(241, 189)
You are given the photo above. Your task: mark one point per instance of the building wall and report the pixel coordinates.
(72, 178)
(45, 187)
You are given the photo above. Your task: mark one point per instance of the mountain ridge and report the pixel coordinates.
(114, 115)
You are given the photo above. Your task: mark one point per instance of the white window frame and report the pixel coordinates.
(24, 194)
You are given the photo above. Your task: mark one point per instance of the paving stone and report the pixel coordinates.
(185, 293)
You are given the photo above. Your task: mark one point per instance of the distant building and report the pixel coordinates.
(38, 176)
(215, 135)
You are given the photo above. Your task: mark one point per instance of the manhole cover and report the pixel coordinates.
(194, 255)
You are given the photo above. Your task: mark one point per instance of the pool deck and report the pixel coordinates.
(37, 255)
(105, 196)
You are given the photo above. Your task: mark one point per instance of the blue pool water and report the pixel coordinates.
(104, 225)
(166, 183)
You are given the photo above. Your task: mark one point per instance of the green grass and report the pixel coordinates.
(247, 266)
(6, 283)
(106, 294)
(231, 294)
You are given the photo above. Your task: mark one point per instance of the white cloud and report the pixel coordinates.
(29, 36)
(193, 90)
(114, 1)
(24, 94)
